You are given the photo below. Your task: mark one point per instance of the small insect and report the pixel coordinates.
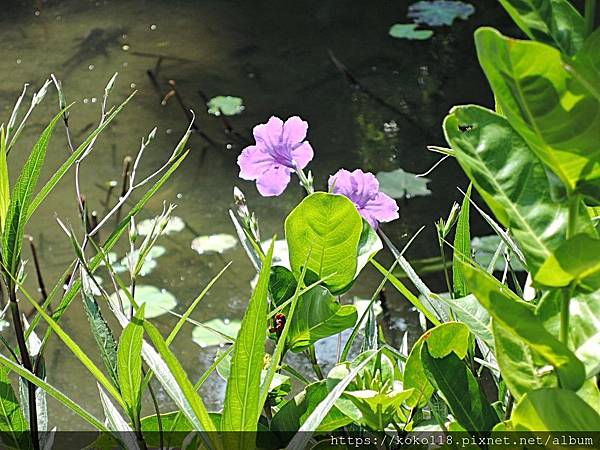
(278, 324)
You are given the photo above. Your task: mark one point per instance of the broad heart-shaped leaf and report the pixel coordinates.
(326, 229)
(453, 378)
(517, 317)
(292, 414)
(242, 407)
(556, 410)
(550, 104)
(575, 260)
(584, 325)
(13, 426)
(409, 31)
(511, 180)
(553, 22)
(449, 337)
(129, 363)
(22, 195)
(318, 315)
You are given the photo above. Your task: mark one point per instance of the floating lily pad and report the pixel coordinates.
(149, 262)
(484, 249)
(400, 184)
(204, 336)
(174, 225)
(157, 301)
(409, 31)
(439, 12)
(226, 105)
(214, 243)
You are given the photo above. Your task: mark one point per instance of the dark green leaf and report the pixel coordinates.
(454, 380)
(13, 426)
(317, 316)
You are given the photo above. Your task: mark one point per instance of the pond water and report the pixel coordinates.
(276, 56)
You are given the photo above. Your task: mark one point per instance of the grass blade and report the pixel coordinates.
(242, 398)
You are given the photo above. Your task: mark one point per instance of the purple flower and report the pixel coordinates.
(280, 149)
(363, 189)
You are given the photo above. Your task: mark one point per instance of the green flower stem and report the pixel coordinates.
(305, 181)
(590, 15)
(312, 357)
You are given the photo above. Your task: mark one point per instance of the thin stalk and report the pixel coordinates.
(590, 16)
(25, 361)
(312, 357)
(564, 310)
(444, 265)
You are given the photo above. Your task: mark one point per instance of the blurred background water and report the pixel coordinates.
(276, 56)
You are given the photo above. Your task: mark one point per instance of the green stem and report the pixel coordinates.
(573, 210)
(564, 317)
(312, 356)
(590, 16)
(305, 182)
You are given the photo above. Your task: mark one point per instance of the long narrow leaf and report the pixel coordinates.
(242, 398)
(129, 363)
(462, 246)
(4, 182)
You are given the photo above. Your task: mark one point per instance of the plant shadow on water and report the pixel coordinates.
(281, 58)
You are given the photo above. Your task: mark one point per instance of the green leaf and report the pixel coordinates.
(462, 246)
(553, 22)
(454, 380)
(226, 105)
(318, 315)
(312, 422)
(484, 253)
(449, 337)
(198, 415)
(292, 414)
(282, 284)
(242, 408)
(17, 215)
(470, 312)
(409, 31)
(378, 409)
(574, 261)
(549, 103)
(129, 363)
(518, 317)
(13, 425)
(554, 410)
(4, 182)
(326, 228)
(439, 12)
(511, 180)
(175, 429)
(100, 330)
(584, 326)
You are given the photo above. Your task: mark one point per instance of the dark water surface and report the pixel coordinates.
(276, 56)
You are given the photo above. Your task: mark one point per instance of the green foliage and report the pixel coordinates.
(317, 316)
(129, 364)
(12, 421)
(324, 230)
(462, 246)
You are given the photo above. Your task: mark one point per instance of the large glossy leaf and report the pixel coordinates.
(584, 326)
(553, 22)
(554, 410)
(129, 363)
(574, 261)
(549, 104)
(16, 218)
(458, 385)
(318, 315)
(326, 228)
(470, 312)
(511, 180)
(450, 337)
(242, 406)
(518, 317)
(13, 426)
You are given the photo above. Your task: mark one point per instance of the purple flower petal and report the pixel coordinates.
(253, 162)
(268, 134)
(362, 188)
(294, 130)
(382, 208)
(274, 181)
(302, 155)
